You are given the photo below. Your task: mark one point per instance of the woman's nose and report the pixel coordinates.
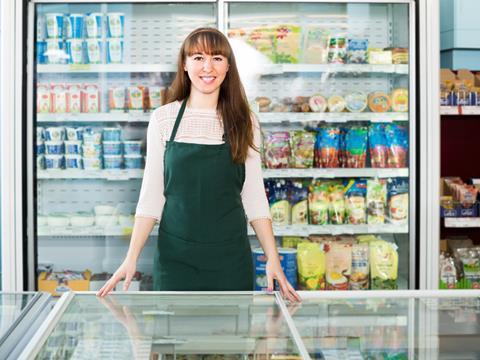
(207, 64)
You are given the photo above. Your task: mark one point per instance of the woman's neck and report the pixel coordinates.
(198, 100)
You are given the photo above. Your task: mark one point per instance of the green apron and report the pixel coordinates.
(203, 243)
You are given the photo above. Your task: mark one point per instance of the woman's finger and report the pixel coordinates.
(284, 289)
(269, 282)
(294, 293)
(126, 283)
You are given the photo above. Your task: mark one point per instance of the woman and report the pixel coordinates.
(203, 179)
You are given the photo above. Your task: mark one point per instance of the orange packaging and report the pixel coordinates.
(74, 98)
(116, 98)
(400, 100)
(90, 98)
(136, 98)
(338, 265)
(378, 101)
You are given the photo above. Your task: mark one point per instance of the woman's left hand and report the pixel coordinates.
(274, 272)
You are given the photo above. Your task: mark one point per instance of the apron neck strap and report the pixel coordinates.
(179, 118)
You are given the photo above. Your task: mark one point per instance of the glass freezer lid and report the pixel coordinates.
(11, 307)
(193, 326)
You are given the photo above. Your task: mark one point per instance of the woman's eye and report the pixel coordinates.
(197, 58)
(218, 58)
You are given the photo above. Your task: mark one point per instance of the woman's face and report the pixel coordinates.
(206, 72)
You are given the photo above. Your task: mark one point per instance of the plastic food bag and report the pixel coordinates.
(383, 265)
(327, 147)
(278, 200)
(298, 200)
(398, 200)
(359, 280)
(376, 201)
(302, 149)
(311, 266)
(276, 149)
(355, 201)
(337, 204)
(397, 142)
(318, 203)
(378, 145)
(339, 266)
(356, 146)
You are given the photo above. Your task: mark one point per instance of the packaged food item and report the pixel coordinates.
(92, 162)
(135, 98)
(155, 97)
(399, 55)
(74, 133)
(311, 266)
(133, 161)
(302, 145)
(336, 103)
(288, 262)
(287, 44)
(115, 24)
(74, 26)
(114, 50)
(339, 265)
(379, 56)
(342, 153)
(132, 147)
(73, 162)
(262, 39)
(40, 147)
(112, 161)
(73, 147)
(276, 149)
(355, 201)
(316, 42)
(279, 204)
(298, 196)
(292, 241)
(336, 197)
(40, 134)
(400, 100)
(337, 52)
(74, 51)
(91, 98)
(94, 51)
(54, 24)
(44, 103)
(359, 280)
(378, 101)
(357, 51)
(90, 149)
(470, 261)
(112, 148)
(55, 52)
(376, 201)
(40, 162)
(397, 142)
(116, 99)
(448, 272)
(93, 25)
(356, 101)
(317, 103)
(318, 203)
(383, 265)
(59, 98)
(356, 140)
(74, 98)
(112, 134)
(54, 147)
(378, 145)
(54, 162)
(398, 200)
(327, 147)
(55, 133)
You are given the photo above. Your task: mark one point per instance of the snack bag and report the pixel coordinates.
(357, 51)
(339, 265)
(298, 200)
(378, 145)
(397, 142)
(359, 280)
(315, 45)
(311, 266)
(262, 39)
(287, 44)
(276, 149)
(376, 201)
(342, 154)
(355, 201)
(337, 203)
(398, 200)
(383, 265)
(292, 241)
(356, 146)
(337, 52)
(318, 203)
(327, 147)
(302, 145)
(278, 200)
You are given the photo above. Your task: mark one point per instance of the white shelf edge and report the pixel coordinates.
(464, 222)
(94, 117)
(279, 117)
(272, 69)
(90, 174)
(105, 68)
(460, 110)
(334, 173)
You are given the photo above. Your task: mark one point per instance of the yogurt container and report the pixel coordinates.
(73, 162)
(74, 133)
(133, 161)
(40, 147)
(74, 26)
(115, 24)
(55, 133)
(75, 51)
(112, 134)
(90, 149)
(112, 161)
(94, 51)
(82, 219)
(40, 162)
(54, 147)
(73, 147)
(54, 25)
(54, 162)
(41, 48)
(106, 220)
(114, 51)
(55, 52)
(58, 220)
(92, 163)
(92, 135)
(116, 98)
(288, 261)
(93, 25)
(112, 148)
(132, 147)
(104, 210)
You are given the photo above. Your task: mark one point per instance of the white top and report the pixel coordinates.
(200, 126)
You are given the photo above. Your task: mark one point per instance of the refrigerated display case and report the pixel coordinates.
(20, 317)
(332, 85)
(246, 325)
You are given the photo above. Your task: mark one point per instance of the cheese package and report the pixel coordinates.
(317, 103)
(376, 201)
(398, 200)
(378, 101)
(337, 52)
(356, 101)
(311, 266)
(315, 45)
(400, 100)
(336, 103)
(338, 266)
(379, 56)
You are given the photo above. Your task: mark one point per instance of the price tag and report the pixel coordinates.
(448, 110)
(471, 110)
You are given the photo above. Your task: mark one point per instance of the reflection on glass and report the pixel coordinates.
(11, 306)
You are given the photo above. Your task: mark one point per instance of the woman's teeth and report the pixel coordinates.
(207, 79)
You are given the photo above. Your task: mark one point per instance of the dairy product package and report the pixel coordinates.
(116, 98)
(74, 98)
(44, 102)
(90, 98)
(94, 51)
(115, 24)
(73, 26)
(54, 25)
(75, 51)
(93, 25)
(59, 98)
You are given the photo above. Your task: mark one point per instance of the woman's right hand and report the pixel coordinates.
(125, 271)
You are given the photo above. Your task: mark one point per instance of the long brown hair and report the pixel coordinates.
(232, 103)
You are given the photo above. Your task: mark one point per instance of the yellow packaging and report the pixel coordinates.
(400, 100)
(292, 241)
(311, 266)
(56, 288)
(383, 265)
(287, 44)
(262, 39)
(280, 212)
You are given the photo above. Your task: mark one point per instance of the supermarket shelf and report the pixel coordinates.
(95, 117)
(334, 173)
(459, 110)
(106, 68)
(279, 117)
(465, 222)
(291, 230)
(273, 69)
(90, 174)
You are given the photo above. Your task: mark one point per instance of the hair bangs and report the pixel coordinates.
(207, 42)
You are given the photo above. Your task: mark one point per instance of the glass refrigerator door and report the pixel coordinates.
(332, 86)
(100, 70)
(168, 326)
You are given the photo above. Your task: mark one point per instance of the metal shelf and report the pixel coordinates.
(90, 174)
(334, 173)
(279, 117)
(459, 110)
(94, 117)
(106, 68)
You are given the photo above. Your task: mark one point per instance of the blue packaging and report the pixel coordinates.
(93, 25)
(133, 161)
(75, 50)
(73, 162)
(73, 26)
(112, 161)
(73, 147)
(114, 51)
(288, 261)
(112, 134)
(41, 162)
(115, 24)
(40, 147)
(132, 147)
(357, 51)
(112, 147)
(54, 161)
(54, 25)
(94, 51)
(54, 147)
(74, 133)
(55, 51)
(41, 50)
(55, 133)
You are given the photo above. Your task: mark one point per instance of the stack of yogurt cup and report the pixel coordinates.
(92, 149)
(118, 154)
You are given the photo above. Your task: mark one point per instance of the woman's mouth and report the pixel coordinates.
(207, 79)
